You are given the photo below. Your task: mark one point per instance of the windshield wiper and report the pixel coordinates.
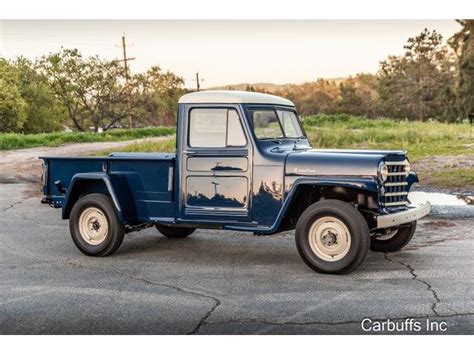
(274, 139)
(300, 138)
(297, 138)
(295, 146)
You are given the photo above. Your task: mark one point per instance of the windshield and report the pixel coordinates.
(272, 124)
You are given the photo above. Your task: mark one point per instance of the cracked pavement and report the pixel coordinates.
(219, 282)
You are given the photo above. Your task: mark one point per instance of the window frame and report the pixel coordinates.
(226, 146)
(280, 119)
(275, 108)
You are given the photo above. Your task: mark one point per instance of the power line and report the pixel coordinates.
(128, 88)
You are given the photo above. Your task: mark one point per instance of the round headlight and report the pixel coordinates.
(407, 167)
(383, 172)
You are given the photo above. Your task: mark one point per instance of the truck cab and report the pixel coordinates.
(242, 162)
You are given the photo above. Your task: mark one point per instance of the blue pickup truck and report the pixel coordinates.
(242, 163)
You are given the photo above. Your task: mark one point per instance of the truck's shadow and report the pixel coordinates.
(210, 249)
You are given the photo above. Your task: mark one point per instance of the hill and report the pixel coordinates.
(266, 86)
(243, 86)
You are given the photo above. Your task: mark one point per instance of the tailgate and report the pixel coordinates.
(58, 172)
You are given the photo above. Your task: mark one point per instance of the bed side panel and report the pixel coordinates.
(151, 184)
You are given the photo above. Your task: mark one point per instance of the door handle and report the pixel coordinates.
(189, 152)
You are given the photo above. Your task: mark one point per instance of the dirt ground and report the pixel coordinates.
(23, 165)
(448, 161)
(441, 163)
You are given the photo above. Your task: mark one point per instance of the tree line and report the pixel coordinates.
(433, 79)
(66, 89)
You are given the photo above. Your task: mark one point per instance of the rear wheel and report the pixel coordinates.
(175, 231)
(94, 225)
(391, 240)
(332, 237)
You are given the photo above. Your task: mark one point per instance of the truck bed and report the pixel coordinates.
(143, 180)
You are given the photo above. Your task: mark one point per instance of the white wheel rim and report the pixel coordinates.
(93, 226)
(329, 239)
(387, 236)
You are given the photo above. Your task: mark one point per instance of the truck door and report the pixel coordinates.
(215, 166)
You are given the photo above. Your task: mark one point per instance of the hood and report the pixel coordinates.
(320, 162)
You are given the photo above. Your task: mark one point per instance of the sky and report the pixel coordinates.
(226, 51)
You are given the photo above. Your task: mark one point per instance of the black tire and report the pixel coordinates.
(174, 232)
(115, 229)
(401, 238)
(355, 225)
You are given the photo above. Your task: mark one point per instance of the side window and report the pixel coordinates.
(235, 132)
(215, 128)
(208, 128)
(265, 124)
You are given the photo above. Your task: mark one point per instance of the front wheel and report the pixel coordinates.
(175, 231)
(393, 239)
(94, 225)
(332, 237)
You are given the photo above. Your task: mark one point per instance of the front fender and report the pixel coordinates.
(411, 179)
(369, 184)
(95, 182)
(363, 183)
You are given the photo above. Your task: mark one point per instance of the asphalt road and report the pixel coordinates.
(218, 282)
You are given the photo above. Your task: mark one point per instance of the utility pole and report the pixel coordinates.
(128, 88)
(215, 187)
(198, 82)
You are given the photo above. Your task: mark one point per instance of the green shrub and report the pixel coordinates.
(17, 140)
(421, 139)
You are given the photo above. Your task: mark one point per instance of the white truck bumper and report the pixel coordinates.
(410, 215)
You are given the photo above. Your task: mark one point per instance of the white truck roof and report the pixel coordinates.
(232, 97)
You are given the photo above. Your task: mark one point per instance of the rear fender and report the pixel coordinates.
(86, 183)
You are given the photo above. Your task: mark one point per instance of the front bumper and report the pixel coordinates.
(410, 215)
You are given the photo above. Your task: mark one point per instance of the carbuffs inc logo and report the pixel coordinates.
(408, 325)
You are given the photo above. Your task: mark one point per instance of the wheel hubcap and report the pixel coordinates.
(93, 226)
(329, 238)
(386, 236)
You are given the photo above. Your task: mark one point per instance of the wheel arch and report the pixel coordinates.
(344, 189)
(304, 192)
(86, 183)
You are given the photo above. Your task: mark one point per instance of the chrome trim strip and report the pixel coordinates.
(395, 184)
(170, 178)
(410, 215)
(405, 162)
(397, 174)
(390, 194)
(400, 203)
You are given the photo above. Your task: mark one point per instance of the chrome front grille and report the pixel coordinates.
(395, 188)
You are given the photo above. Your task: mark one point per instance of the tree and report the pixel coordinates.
(366, 88)
(463, 44)
(419, 84)
(155, 96)
(90, 88)
(44, 113)
(350, 101)
(13, 108)
(313, 97)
